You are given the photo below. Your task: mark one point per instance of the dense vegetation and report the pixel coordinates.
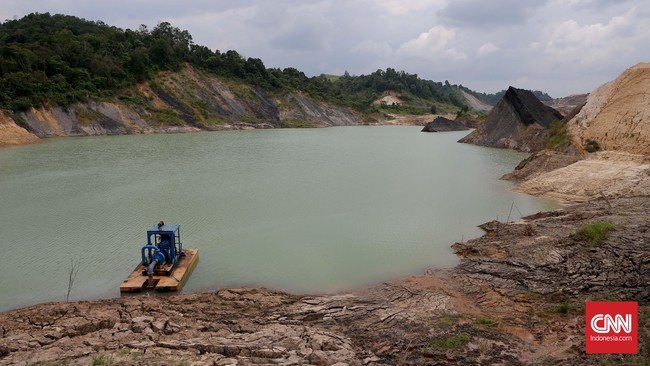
(370, 86)
(59, 59)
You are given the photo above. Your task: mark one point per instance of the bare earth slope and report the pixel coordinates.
(617, 114)
(184, 101)
(476, 104)
(12, 134)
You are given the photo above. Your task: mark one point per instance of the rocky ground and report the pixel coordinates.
(517, 297)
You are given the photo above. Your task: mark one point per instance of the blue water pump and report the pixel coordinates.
(163, 250)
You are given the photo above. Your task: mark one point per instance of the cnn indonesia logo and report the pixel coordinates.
(612, 327)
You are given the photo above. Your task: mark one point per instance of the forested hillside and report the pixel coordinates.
(59, 60)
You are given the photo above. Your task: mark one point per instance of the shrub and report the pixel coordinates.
(486, 321)
(102, 360)
(565, 308)
(559, 139)
(596, 232)
(592, 146)
(166, 117)
(450, 342)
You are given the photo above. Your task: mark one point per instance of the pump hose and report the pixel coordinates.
(150, 272)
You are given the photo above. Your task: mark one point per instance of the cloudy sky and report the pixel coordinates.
(562, 47)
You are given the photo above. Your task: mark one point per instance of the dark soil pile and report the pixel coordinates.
(519, 121)
(442, 124)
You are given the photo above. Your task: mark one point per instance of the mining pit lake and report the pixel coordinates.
(299, 210)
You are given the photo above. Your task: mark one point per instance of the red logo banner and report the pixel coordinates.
(611, 327)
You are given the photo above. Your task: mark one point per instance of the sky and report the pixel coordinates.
(562, 47)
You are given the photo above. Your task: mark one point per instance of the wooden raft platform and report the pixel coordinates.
(137, 281)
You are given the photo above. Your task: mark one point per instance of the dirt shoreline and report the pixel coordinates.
(517, 297)
(570, 179)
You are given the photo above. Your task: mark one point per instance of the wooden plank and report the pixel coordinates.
(182, 272)
(136, 281)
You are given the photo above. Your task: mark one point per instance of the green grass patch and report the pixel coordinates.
(486, 321)
(559, 139)
(454, 341)
(485, 325)
(102, 360)
(241, 90)
(596, 233)
(166, 117)
(200, 106)
(592, 146)
(566, 308)
(137, 99)
(449, 320)
(86, 117)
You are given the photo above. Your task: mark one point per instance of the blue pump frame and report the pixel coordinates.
(152, 250)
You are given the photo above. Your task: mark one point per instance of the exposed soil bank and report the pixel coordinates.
(185, 101)
(11, 134)
(517, 297)
(603, 174)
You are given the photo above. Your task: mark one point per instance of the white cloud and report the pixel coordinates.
(433, 44)
(486, 49)
(489, 14)
(373, 48)
(586, 44)
(399, 7)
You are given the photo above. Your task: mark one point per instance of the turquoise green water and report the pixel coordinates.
(302, 210)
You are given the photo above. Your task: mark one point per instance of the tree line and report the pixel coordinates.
(59, 59)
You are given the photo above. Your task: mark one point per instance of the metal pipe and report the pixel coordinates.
(150, 272)
(148, 252)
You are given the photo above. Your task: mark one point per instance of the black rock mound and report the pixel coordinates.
(519, 121)
(442, 124)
